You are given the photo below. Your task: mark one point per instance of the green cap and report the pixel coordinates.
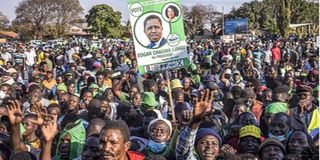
(93, 85)
(62, 87)
(277, 107)
(149, 100)
(193, 67)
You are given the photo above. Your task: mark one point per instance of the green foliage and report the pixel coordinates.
(274, 16)
(197, 16)
(4, 22)
(104, 21)
(283, 19)
(37, 15)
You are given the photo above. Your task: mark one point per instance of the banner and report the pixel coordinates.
(237, 26)
(158, 35)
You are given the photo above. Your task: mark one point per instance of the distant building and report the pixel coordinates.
(79, 30)
(6, 36)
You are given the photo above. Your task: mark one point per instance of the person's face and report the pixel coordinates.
(68, 77)
(87, 97)
(49, 76)
(236, 77)
(250, 85)
(136, 100)
(133, 90)
(34, 97)
(238, 109)
(249, 145)
(153, 30)
(3, 128)
(54, 111)
(71, 88)
(304, 96)
(297, 142)
(208, 147)
(29, 127)
(186, 83)
(65, 147)
(63, 98)
(154, 89)
(105, 107)
(227, 76)
(6, 90)
(59, 80)
(15, 76)
(100, 79)
(162, 85)
(180, 98)
(91, 149)
(73, 103)
(267, 96)
(134, 64)
(112, 145)
(170, 13)
(271, 73)
(109, 95)
(159, 132)
(278, 126)
(289, 81)
(247, 119)
(44, 68)
(280, 97)
(272, 152)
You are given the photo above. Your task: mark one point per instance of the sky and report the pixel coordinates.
(8, 8)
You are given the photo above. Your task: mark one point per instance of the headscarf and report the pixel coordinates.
(250, 130)
(77, 138)
(163, 120)
(277, 107)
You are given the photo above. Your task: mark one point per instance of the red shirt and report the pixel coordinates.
(135, 155)
(276, 53)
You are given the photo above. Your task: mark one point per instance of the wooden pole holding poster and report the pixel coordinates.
(170, 97)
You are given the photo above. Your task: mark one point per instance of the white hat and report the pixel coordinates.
(161, 119)
(228, 71)
(11, 70)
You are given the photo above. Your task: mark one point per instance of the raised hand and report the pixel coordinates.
(14, 112)
(227, 149)
(125, 76)
(40, 111)
(186, 117)
(202, 105)
(49, 128)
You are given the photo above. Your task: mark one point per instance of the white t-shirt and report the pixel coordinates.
(30, 56)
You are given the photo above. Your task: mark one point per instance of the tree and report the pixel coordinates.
(274, 16)
(104, 21)
(36, 13)
(4, 22)
(283, 17)
(127, 30)
(66, 11)
(43, 14)
(198, 16)
(214, 18)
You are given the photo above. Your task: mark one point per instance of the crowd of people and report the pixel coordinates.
(247, 100)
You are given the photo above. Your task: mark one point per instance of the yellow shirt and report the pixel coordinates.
(49, 85)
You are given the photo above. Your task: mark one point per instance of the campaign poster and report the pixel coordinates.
(158, 35)
(236, 26)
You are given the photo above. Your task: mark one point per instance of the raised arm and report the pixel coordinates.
(187, 137)
(49, 131)
(117, 87)
(15, 117)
